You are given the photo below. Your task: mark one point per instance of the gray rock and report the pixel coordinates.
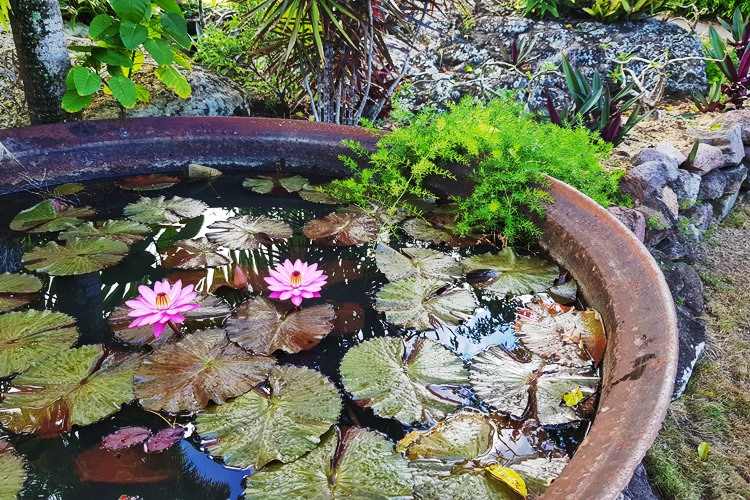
(675, 247)
(740, 117)
(692, 344)
(735, 178)
(632, 219)
(647, 180)
(707, 158)
(664, 152)
(686, 186)
(724, 205)
(686, 286)
(713, 185)
(729, 140)
(701, 216)
(688, 230)
(639, 488)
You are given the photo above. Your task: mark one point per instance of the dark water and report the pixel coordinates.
(73, 466)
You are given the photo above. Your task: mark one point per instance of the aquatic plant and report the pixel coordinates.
(163, 305)
(296, 282)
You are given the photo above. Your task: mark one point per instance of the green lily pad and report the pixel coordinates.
(259, 326)
(194, 254)
(281, 424)
(126, 231)
(464, 435)
(248, 233)
(439, 481)
(538, 473)
(425, 303)
(50, 215)
(395, 384)
(202, 367)
(28, 337)
(12, 472)
(68, 189)
(344, 228)
(506, 273)
(416, 262)
(198, 172)
(420, 229)
(265, 184)
(316, 195)
(16, 290)
(144, 335)
(502, 381)
(293, 184)
(75, 257)
(551, 387)
(68, 389)
(358, 463)
(160, 211)
(260, 185)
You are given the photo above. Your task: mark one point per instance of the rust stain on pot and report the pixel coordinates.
(616, 274)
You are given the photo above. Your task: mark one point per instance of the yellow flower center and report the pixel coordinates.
(162, 300)
(296, 278)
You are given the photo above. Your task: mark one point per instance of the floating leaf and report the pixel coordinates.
(438, 481)
(345, 228)
(248, 233)
(573, 397)
(283, 424)
(202, 367)
(210, 308)
(509, 477)
(125, 437)
(119, 321)
(265, 184)
(425, 303)
(12, 472)
(50, 215)
(202, 173)
(66, 390)
(506, 273)
(164, 439)
(317, 195)
(382, 375)
(293, 184)
(68, 189)
(16, 290)
(151, 182)
(75, 257)
(158, 211)
(420, 229)
(124, 467)
(126, 231)
(360, 464)
(538, 473)
(465, 435)
(262, 185)
(502, 381)
(416, 262)
(259, 326)
(552, 386)
(194, 254)
(28, 337)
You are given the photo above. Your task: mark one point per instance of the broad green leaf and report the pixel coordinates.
(68, 189)
(175, 26)
(28, 337)
(465, 435)
(704, 450)
(99, 25)
(344, 228)
(248, 233)
(132, 34)
(159, 50)
(358, 463)
(502, 381)
(123, 89)
(75, 257)
(73, 103)
(282, 423)
(66, 390)
(259, 185)
(49, 216)
(159, 211)
(16, 290)
(174, 81)
(86, 80)
(425, 303)
(12, 472)
(259, 326)
(131, 10)
(316, 195)
(293, 184)
(113, 57)
(416, 262)
(506, 273)
(142, 94)
(395, 384)
(202, 367)
(420, 229)
(169, 6)
(194, 254)
(434, 481)
(126, 231)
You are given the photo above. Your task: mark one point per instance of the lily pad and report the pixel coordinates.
(50, 215)
(16, 290)
(358, 463)
(194, 254)
(265, 184)
(538, 473)
(125, 437)
(259, 326)
(502, 381)
(119, 321)
(345, 228)
(211, 308)
(293, 184)
(281, 424)
(198, 172)
(126, 231)
(75, 257)
(160, 211)
(425, 303)
(248, 233)
(316, 195)
(28, 337)
(420, 229)
(465, 435)
(416, 262)
(552, 386)
(381, 374)
(150, 182)
(439, 481)
(164, 439)
(68, 189)
(506, 273)
(12, 472)
(260, 185)
(68, 389)
(202, 367)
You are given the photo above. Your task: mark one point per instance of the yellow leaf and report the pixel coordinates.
(407, 440)
(511, 478)
(704, 449)
(573, 397)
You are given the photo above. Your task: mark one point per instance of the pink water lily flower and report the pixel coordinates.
(295, 282)
(163, 305)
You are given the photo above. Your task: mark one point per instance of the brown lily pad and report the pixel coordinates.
(151, 182)
(248, 233)
(144, 335)
(125, 437)
(194, 254)
(345, 228)
(128, 466)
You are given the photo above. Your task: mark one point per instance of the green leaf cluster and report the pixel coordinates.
(602, 10)
(119, 45)
(496, 149)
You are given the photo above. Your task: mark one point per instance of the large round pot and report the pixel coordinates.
(616, 273)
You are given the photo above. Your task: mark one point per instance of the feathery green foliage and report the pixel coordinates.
(499, 151)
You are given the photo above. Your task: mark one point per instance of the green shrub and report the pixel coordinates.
(603, 10)
(709, 9)
(501, 150)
